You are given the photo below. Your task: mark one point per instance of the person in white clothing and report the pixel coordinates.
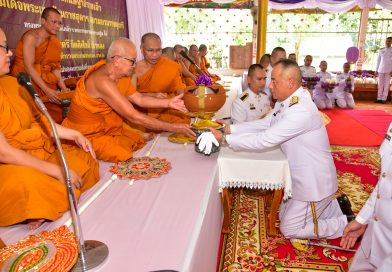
(277, 54)
(307, 70)
(374, 220)
(322, 98)
(343, 93)
(383, 71)
(253, 103)
(294, 125)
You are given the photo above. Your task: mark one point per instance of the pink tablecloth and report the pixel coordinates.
(171, 222)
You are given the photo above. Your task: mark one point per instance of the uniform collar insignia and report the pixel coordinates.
(293, 100)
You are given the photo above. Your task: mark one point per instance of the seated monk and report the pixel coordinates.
(32, 185)
(160, 77)
(103, 100)
(194, 56)
(38, 53)
(204, 65)
(187, 77)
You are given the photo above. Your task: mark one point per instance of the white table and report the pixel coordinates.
(259, 170)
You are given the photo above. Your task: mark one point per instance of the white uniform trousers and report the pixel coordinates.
(323, 102)
(347, 101)
(361, 263)
(296, 219)
(383, 86)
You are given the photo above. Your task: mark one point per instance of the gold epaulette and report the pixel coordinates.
(244, 96)
(293, 101)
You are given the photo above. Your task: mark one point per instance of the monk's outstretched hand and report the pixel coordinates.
(351, 233)
(177, 103)
(75, 179)
(183, 128)
(84, 144)
(52, 96)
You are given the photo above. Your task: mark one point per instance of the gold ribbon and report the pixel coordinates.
(201, 99)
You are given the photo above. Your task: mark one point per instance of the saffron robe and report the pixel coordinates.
(111, 138)
(25, 192)
(204, 65)
(163, 77)
(47, 59)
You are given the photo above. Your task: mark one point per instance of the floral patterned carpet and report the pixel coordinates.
(247, 247)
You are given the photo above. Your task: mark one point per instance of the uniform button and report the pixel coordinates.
(375, 218)
(384, 175)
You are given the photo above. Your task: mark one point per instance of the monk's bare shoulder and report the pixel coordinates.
(31, 37)
(141, 68)
(98, 83)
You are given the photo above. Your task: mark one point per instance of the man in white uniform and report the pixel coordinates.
(376, 243)
(277, 54)
(294, 125)
(321, 98)
(343, 93)
(253, 103)
(307, 70)
(383, 70)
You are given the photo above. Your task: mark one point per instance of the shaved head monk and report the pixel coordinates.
(103, 100)
(32, 185)
(187, 77)
(38, 53)
(160, 77)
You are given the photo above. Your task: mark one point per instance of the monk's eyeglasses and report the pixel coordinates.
(6, 48)
(131, 61)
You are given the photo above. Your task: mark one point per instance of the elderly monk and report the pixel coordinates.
(32, 185)
(204, 64)
(103, 100)
(194, 55)
(187, 77)
(38, 53)
(160, 77)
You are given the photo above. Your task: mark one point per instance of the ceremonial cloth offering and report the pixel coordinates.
(141, 168)
(55, 250)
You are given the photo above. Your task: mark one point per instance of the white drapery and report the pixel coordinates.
(327, 5)
(143, 17)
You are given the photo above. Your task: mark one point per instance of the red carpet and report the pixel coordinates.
(346, 130)
(376, 120)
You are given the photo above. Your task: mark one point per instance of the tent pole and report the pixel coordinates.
(362, 37)
(261, 28)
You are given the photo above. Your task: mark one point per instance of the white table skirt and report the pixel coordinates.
(259, 170)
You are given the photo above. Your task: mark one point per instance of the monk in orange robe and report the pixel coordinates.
(204, 64)
(38, 53)
(187, 77)
(160, 77)
(103, 100)
(32, 185)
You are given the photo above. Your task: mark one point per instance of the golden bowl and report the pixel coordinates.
(212, 102)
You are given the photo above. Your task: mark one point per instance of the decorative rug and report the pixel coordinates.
(141, 168)
(345, 130)
(247, 247)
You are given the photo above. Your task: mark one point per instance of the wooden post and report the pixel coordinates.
(261, 28)
(362, 37)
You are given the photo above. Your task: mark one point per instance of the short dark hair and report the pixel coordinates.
(148, 36)
(202, 47)
(253, 68)
(168, 50)
(277, 49)
(389, 38)
(46, 11)
(177, 46)
(290, 64)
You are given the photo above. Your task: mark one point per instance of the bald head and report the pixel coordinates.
(149, 36)
(285, 79)
(120, 47)
(291, 69)
(277, 54)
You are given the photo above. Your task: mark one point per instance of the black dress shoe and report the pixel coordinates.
(383, 102)
(345, 206)
(377, 101)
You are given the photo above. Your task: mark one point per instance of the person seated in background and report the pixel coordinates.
(321, 98)
(168, 52)
(103, 100)
(195, 57)
(296, 127)
(38, 52)
(204, 64)
(253, 103)
(277, 54)
(343, 93)
(374, 221)
(265, 60)
(32, 179)
(160, 77)
(187, 77)
(293, 57)
(307, 70)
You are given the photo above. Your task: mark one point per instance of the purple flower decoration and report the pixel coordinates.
(203, 80)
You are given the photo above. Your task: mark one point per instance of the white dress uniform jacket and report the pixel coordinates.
(249, 107)
(384, 60)
(308, 71)
(267, 90)
(321, 98)
(343, 98)
(295, 124)
(376, 243)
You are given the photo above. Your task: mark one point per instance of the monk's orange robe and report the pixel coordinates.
(111, 139)
(47, 59)
(25, 192)
(204, 65)
(163, 77)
